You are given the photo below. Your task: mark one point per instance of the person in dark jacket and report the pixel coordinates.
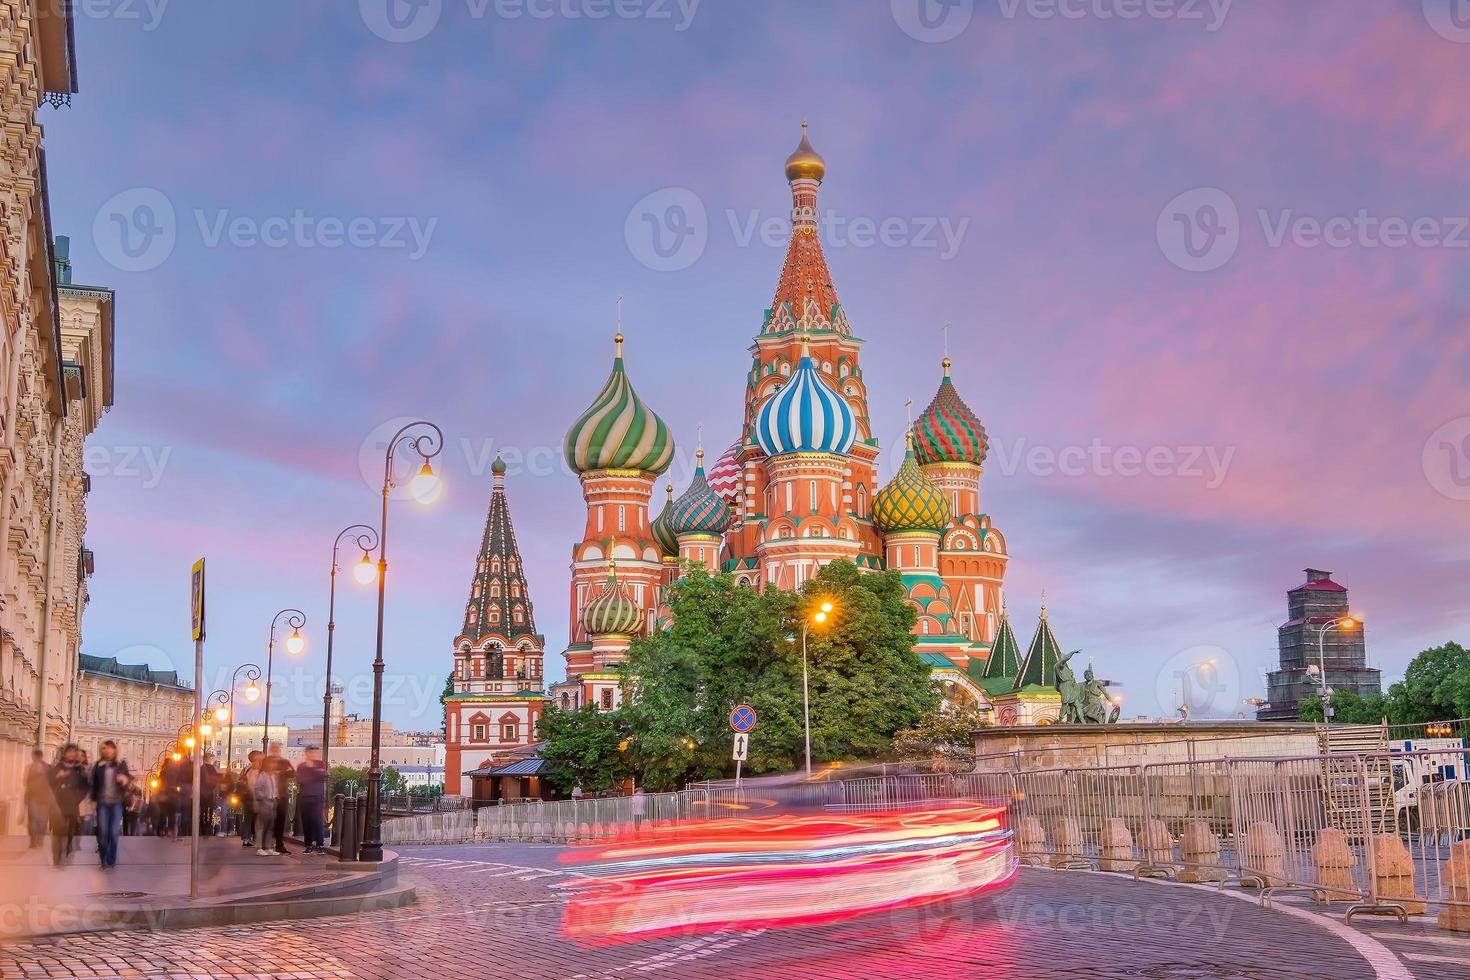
(107, 788)
(311, 797)
(247, 803)
(208, 795)
(280, 767)
(69, 785)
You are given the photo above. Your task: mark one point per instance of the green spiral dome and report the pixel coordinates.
(618, 431)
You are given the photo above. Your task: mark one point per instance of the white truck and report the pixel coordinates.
(1420, 763)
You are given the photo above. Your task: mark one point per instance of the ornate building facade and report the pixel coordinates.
(139, 708)
(797, 489)
(498, 683)
(55, 382)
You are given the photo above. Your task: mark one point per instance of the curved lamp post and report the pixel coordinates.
(366, 539)
(819, 618)
(1344, 624)
(295, 643)
(252, 694)
(428, 443)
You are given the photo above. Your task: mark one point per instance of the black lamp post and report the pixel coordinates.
(296, 619)
(424, 486)
(252, 673)
(366, 540)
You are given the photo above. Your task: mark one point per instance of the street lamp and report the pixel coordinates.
(428, 443)
(296, 619)
(1343, 624)
(226, 701)
(366, 540)
(820, 617)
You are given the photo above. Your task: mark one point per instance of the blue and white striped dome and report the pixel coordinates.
(806, 416)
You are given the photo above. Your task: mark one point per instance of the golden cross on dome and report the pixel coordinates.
(618, 337)
(909, 405)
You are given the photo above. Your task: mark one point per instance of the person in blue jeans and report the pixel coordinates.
(110, 779)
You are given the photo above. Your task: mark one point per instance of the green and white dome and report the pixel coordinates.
(618, 431)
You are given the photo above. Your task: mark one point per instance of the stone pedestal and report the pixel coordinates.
(1199, 846)
(1116, 845)
(1393, 872)
(1263, 856)
(1067, 839)
(1158, 843)
(1457, 879)
(1031, 839)
(1335, 862)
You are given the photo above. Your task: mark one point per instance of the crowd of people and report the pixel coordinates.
(73, 796)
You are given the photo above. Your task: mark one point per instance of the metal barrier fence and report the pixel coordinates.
(1350, 829)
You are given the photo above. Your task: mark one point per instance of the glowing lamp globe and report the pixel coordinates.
(426, 486)
(252, 694)
(365, 571)
(221, 714)
(206, 729)
(189, 742)
(177, 757)
(295, 643)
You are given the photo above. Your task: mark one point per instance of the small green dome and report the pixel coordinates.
(910, 501)
(612, 610)
(699, 510)
(667, 541)
(618, 431)
(498, 467)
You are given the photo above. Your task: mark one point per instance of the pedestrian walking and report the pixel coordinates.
(263, 793)
(183, 795)
(107, 790)
(208, 795)
(311, 797)
(278, 766)
(69, 787)
(639, 802)
(132, 808)
(246, 819)
(38, 798)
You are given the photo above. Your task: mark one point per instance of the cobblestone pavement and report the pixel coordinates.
(492, 911)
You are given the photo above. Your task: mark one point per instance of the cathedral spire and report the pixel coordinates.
(500, 600)
(806, 298)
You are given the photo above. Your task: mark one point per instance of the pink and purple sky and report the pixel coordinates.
(1206, 270)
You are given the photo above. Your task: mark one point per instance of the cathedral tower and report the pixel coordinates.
(619, 447)
(497, 655)
(950, 446)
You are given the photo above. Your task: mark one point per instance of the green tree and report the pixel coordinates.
(1436, 687)
(728, 644)
(583, 748)
(944, 740)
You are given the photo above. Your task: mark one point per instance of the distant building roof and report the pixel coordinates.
(1319, 580)
(136, 673)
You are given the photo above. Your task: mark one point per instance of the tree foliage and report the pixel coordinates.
(1436, 687)
(943, 740)
(583, 748)
(728, 644)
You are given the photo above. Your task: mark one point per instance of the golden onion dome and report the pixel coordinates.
(805, 162)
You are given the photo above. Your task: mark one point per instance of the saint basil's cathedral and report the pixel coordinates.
(797, 489)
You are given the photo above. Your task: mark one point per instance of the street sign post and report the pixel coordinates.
(742, 722)
(196, 615)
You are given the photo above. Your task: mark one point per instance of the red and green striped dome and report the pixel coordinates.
(947, 431)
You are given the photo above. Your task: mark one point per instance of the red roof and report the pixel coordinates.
(1321, 585)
